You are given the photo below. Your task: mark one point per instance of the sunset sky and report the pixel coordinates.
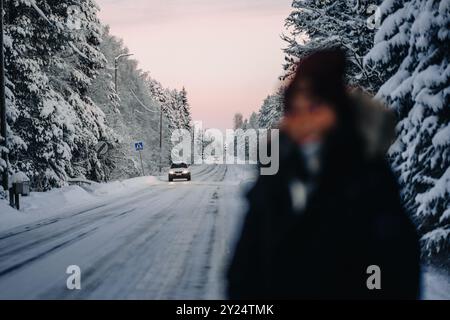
(227, 53)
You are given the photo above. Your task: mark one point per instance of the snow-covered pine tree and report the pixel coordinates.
(271, 111)
(157, 90)
(165, 97)
(238, 121)
(185, 109)
(177, 109)
(13, 141)
(253, 121)
(245, 126)
(133, 113)
(121, 160)
(54, 125)
(412, 49)
(319, 24)
(82, 32)
(175, 104)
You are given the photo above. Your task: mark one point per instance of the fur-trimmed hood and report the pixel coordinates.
(375, 123)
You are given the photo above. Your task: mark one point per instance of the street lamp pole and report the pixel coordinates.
(116, 67)
(3, 102)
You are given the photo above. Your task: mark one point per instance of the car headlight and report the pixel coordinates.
(171, 172)
(185, 171)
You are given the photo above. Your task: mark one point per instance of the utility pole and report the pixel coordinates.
(116, 67)
(3, 132)
(160, 137)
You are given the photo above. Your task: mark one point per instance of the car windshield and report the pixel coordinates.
(178, 165)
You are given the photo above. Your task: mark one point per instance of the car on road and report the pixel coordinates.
(179, 171)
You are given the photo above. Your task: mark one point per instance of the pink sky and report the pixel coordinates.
(227, 53)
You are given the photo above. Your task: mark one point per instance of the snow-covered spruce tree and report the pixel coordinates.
(121, 159)
(319, 24)
(253, 121)
(50, 65)
(246, 138)
(271, 111)
(176, 110)
(13, 141)
(164, 98)
(412, 49)
(133, 113)
(185, 109)
(238, 121)
(83, 32)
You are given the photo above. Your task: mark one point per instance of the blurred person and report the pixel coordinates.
(333, 209)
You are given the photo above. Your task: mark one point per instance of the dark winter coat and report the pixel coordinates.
(353, 219)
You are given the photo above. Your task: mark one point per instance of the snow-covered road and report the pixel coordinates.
(142, 238)
(161, 241)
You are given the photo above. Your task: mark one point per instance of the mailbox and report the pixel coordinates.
(22, 188)
(20, 185)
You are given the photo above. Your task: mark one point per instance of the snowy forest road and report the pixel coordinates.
(153, 239)
(167, 241)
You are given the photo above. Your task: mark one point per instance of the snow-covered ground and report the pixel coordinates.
(143, 238)
(41, 205)
(435, 284)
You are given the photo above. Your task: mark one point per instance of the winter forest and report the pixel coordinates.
(65, 105)
(399, 53)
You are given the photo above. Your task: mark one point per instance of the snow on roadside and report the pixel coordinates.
(41, 205)
(435, 284)
(119, 187)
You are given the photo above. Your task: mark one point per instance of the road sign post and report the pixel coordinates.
(139, 146)
(142, 164)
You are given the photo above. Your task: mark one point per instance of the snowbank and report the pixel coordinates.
(41, 205)
(435, 284)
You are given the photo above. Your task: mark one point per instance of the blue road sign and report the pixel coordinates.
(139, 146)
